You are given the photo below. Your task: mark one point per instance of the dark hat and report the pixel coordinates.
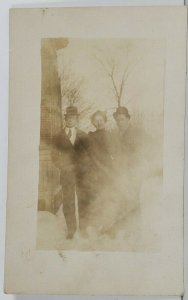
(71, 111)
(122, 110)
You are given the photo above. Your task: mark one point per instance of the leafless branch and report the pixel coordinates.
(109, 66)
(70, 86)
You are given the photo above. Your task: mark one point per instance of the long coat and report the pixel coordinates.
(101, 153)
(73, 161)
(133, 146)
(101, 174)
(131, 159)
(68, 157)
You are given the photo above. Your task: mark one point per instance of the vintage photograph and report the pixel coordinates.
(101, 144)
(96, 151)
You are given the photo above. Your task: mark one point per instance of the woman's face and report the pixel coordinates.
(99, 122)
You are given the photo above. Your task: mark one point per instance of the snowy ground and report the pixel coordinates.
(140, 231)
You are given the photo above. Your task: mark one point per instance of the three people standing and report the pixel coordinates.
(88, 163)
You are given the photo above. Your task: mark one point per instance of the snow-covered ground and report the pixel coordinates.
(140, 231)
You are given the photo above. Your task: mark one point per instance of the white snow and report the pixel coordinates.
(141, 230)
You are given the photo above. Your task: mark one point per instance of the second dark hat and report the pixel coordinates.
(121, 110)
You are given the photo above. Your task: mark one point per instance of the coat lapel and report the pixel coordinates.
(65, 140)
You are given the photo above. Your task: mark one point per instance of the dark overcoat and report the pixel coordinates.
(73, 161)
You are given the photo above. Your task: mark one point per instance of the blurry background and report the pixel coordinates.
(90, 74)
(96, 75)
(4, 74)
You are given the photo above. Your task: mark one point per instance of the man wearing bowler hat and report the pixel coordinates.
(131, 150)
(71, 157)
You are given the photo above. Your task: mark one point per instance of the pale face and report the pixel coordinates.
(99, 122)
(71, 121)
(122, 122)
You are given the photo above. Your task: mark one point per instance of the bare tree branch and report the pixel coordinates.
(115, 87)
(110, 74)
(109, 66)
(70, 86)
(85, 111)
(122, 85)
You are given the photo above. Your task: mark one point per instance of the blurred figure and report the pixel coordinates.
(101, 172)
(131, 158)
(122, 118)
(100, 148)
(129, 146)
(133, 145)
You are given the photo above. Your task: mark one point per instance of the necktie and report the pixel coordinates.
(69, 133)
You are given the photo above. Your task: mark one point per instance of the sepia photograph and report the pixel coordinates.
(96, 151)
(101, 144)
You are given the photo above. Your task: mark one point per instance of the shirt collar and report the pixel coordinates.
(73, 129)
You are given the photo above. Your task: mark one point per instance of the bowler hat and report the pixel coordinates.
(71, 111)
(121, 110)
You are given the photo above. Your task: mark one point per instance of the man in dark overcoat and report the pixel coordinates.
(132, 157)
(133, 144)
(70, 155)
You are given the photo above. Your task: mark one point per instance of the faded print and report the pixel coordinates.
(101, 144)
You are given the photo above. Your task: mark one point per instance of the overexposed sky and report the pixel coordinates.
(90, 60)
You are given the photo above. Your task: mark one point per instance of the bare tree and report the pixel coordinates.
(71, 86)
(111, 66)
(72, 91)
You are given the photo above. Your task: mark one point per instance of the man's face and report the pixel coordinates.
(99, 122)
(71, 121)
(122, 121)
